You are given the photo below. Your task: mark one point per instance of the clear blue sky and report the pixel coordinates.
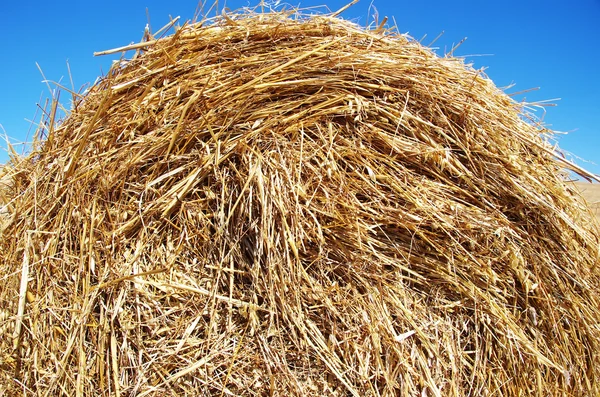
(533, 43)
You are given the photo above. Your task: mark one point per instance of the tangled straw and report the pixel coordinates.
(281, 204)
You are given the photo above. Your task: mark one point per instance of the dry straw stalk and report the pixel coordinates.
(281, 204)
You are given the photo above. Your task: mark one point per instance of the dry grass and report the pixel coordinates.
(271, 204)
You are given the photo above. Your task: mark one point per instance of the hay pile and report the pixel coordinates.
(272, 204)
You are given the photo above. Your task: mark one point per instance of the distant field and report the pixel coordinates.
(591, 192)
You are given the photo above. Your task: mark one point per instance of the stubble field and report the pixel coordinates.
(591, 192)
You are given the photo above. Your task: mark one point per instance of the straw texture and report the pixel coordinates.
(278, 204)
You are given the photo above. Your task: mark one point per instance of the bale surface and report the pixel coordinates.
(272, 204)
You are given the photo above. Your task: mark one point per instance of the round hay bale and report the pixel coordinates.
(274, 204)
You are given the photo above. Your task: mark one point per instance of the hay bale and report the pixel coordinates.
(272, 204)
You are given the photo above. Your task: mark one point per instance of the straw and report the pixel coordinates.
(287, 204)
